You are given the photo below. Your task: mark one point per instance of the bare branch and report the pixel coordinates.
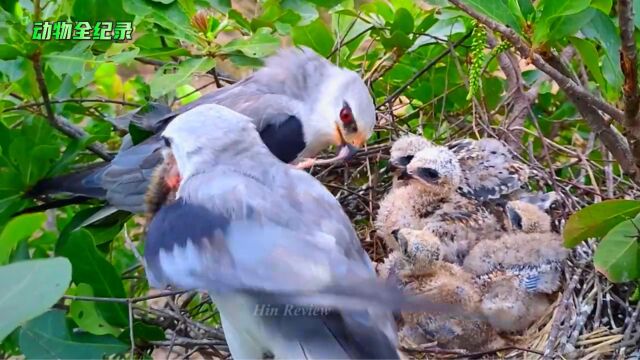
(59, 123)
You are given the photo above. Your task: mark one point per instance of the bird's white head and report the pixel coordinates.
(436, 168)
(209, 135)
(344, 111)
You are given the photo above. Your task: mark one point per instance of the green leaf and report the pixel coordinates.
(602, 29)
(260, 45)
(564, 26)
(47, 337)
(187, 94)
(617, 255)
(497, 10)
(316, 36)
(138, 134)
(308, 13)
(86, 315)
(164, 1)
(590, 56)
(596, 220)
(98, 10)
(526, 8)
(90, 267)
(30, 288)
(19, 228)
(71, 62)
(402, 21)
(604, 5)
(552, 9)
(221, 5)
(8, 52)
(636, 13)
(163, 82)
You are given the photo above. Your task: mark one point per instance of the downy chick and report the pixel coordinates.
(446, 283)
(489, 171)
(429, 201)
(516, 270)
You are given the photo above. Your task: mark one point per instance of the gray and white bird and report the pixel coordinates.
(269, 243)
(299, 102)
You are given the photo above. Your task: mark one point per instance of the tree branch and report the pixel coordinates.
(421, 72)
(525, 50)
(59, 123)
(587, 103)
(629, 66)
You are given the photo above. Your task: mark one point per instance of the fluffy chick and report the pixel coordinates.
(489, 171)
(402, 152)
(514, 272)
(429, 201)
(446, 283)
(509, 308)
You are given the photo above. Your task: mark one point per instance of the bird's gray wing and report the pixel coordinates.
(489, 172)
(258, 235)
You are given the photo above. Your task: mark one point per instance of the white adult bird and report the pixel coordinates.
(269, 243)
(299, 102)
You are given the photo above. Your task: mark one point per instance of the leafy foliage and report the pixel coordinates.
(617, 223)
(427, 73)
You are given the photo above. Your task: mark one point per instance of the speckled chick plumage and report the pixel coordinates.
(429, 202)
(517, 270)
(488, 169)
(447, 283)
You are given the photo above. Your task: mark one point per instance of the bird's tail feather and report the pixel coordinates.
(82, 182)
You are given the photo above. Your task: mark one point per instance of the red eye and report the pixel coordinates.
(346, 116)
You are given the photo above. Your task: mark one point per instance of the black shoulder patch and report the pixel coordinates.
(179, 222)
(285, 140)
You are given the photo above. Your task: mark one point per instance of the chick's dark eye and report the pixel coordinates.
(428, 173)
(346, 116)
(166, 141)
(404, 160)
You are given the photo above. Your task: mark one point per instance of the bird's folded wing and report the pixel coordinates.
(249, 239)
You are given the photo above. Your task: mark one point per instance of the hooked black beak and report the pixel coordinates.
(347, 151)
(428, 175)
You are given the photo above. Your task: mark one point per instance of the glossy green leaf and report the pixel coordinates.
(618, 254)
(47, 337)
(602, 29)
(187, 93)
(564, 26)
(307, 11)
(220, 5)
(590, 57)
(402, 21)
(603, 5)
(98, 10)
(261, 44)
(19, 228)
(596, 220)
(30, 288)
(316, 36)
(8, 52)
(86, 315)
(552, 10)
(497, 10)
(90, 267)
(166, 80)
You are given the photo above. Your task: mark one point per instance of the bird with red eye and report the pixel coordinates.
(346, 116)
